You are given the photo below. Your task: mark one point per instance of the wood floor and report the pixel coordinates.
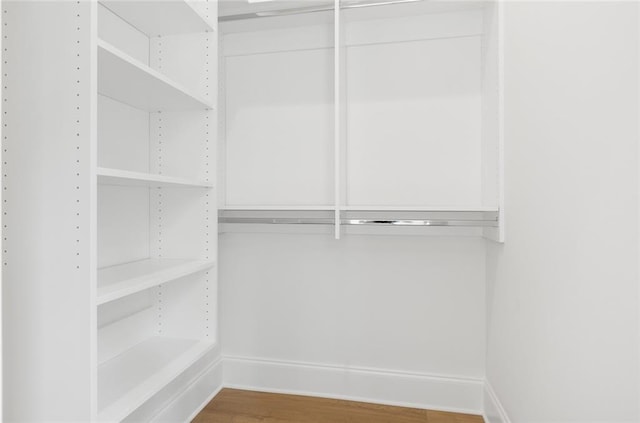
(236, 406)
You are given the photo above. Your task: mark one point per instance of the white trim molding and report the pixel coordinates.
(494, 412)
(188, 403)
(417, 390)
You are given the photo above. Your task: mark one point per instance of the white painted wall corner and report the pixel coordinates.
(494, 412)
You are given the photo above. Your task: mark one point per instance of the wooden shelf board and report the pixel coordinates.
(119, 281)
(156, 18)
(128, 380)
(107, 176)
(130, 81)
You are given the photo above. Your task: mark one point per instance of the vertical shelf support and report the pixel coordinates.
(501, 200)
(493, 121)
(339, 117)
(50, 310)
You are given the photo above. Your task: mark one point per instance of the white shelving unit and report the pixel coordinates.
(410, 94)
(123, 164)
(178, 270)
(110, 187)
(361, 121)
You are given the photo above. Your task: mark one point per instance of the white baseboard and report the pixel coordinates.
(195, 397)
(494, 412)
(435, 392)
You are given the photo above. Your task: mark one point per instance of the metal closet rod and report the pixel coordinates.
(310, 9)
(369, 222)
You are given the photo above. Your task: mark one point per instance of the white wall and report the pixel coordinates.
(414, 122)
(413, 132)
(563, 289)
(394, 319)
(399, 304)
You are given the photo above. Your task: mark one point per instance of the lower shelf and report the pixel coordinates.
(128, 380)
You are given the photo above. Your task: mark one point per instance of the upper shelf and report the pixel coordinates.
(130, 81)
(156, 18)
(127, 178)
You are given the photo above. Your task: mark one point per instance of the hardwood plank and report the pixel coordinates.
(238, 406)
(444, 417)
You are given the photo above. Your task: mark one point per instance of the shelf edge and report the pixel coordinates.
(111, 49)
(141, 283)
(149, 178)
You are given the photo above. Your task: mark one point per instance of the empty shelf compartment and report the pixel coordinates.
(125, 279)
(128, 380)
(130, 81)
